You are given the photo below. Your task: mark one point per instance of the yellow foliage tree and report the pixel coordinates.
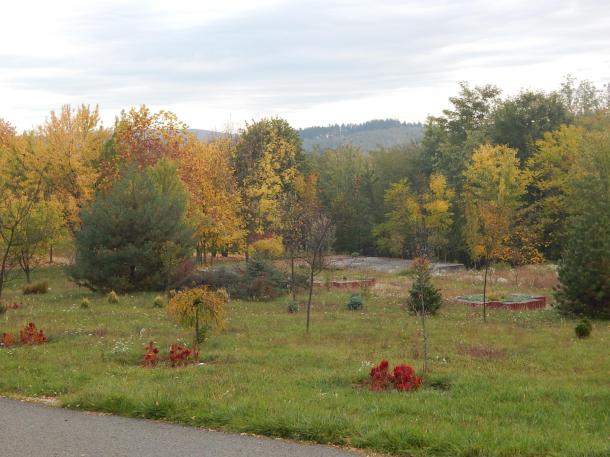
(494, 186)
(419, 222)
(553, 166)
(215, 204)
(200, 308)
(73, 144)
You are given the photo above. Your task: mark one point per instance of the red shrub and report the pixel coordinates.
(403, 377)
(13, 306)
(380, 376)
(151, 356)
(7, 340)
(31, 335)
(181, 355)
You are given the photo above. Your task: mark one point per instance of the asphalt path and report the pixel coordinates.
(44, 431)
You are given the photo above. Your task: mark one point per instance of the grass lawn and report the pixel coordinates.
(520, 385)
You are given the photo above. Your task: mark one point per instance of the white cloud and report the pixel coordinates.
(313, 62)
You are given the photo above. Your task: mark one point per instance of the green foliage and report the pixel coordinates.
(423, 294)
(583, 329)
(519, 121)
(584, 271)
(113, 297)
(260, 280)
(264, 281)
(345, 180)
(355, 302)
(84, 303)
(40, 287)
(2, 309)
(293, 307)
(122, 244)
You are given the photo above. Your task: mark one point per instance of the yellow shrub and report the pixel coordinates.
(202, 304)
(268, 248)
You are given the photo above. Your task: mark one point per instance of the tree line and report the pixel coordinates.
(493, 179)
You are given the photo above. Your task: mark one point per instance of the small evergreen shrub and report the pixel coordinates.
(113, 298)
(293, 307)
(583, 329)
(41, 287)
(355, 303)
(158, 302)
(422, 289)
(84, 303)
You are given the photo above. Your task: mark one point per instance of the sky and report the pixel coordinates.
(218, 64)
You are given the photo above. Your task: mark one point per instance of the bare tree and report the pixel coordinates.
(318, 239)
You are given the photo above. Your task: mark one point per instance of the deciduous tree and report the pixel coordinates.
(494, 186)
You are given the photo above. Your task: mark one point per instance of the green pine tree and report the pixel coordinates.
(125, 231)
(584, 271)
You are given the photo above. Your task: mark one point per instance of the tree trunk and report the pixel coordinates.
(311, 272)
(423, 325)
(485, 293)
(51, 254)
(199, 254)
(292, 281)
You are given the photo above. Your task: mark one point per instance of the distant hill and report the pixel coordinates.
(206, 135)
(367, 136)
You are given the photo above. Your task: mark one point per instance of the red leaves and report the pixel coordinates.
(31, 335)
(7, 340)
(151, 356)
(380, 376)
(13, 306)
(403, 377)
(179, 355)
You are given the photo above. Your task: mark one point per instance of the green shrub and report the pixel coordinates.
(422, 289)
(355, 302)
(263, 281)
(260, 281)
(84, 303)
(113, 298)
(158, 302)
(583, 329)
(41, 287)
(2, 309)
(135, 235)
(293, 307)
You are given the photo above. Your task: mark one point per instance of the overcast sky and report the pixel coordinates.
(219, 63)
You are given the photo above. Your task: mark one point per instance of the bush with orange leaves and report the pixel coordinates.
(201, 308)
(151, 355)
(7, 340)
(31, 335)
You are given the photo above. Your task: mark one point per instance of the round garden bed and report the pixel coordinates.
(512, 301)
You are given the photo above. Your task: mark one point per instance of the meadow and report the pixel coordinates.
(520, 385)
